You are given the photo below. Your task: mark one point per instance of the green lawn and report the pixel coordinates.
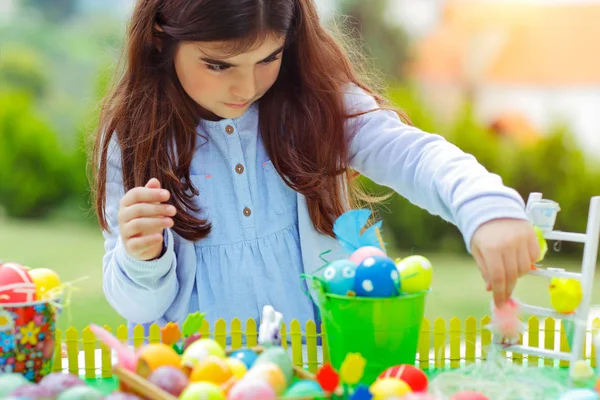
(75, 251)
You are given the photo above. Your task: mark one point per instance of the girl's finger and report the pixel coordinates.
(140, 245)
(511, 271)
(145, 226)
(482, 267)
(144, 195)
(493, 261)
(140, 210)
(524, 259)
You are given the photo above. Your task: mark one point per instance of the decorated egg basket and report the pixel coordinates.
(28, 312)
(371, 304)
(186, 366)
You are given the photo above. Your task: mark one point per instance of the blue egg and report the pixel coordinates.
(580, 394)
(247, 356)
(377, 276)
(339, 277)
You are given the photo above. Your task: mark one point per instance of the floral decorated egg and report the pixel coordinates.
(339, 277)
(377, 277)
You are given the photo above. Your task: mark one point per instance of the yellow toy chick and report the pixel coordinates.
(565, 294)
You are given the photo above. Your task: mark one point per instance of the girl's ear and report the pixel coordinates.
(156, 39)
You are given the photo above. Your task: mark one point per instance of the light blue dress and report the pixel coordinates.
(262, 237)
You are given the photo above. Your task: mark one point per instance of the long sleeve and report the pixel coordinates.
(140, 291)
(426, 169)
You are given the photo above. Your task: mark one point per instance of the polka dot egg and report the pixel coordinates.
(339, 277)
(377, 276)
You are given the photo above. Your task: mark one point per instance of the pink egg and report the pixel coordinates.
(364, 252)
(249, 389)
(468, 395)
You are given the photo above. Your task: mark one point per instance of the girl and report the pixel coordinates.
(226, 153)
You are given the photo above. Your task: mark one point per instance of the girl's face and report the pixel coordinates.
(223, 86)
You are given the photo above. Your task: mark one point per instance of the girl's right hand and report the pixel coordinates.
(143, 218)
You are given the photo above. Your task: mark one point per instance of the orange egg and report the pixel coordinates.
(154, 355)
(211, 369)
(269, 372)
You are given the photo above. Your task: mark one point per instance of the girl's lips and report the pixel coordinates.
(236, 105)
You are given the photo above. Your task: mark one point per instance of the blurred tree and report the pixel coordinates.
(22, 69)
(53, 10)
(381, 40)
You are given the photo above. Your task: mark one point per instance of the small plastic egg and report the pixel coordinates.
(247, 356)
(11, 382)
(339, 277)
(364, 252)
(251, 389)
(389, 387)
(269, 372)
(377, 277)
(580, 394)
(16, 284)
(81, 393)
(201, 349)
(154, 355)
(46, 282)
(415, 274)
(237, 367)
(305, 388)
(280, 357)
(170, 379)
(413, 376)
(202, 390)
(211, 369)
(469, 395)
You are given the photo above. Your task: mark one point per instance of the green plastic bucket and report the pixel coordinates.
(385, 331)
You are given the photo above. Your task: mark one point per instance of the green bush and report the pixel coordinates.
(35, 171)
(554, 166)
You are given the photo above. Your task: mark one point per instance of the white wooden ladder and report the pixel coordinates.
(586, 277)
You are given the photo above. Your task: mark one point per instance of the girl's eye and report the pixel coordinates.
(270, 60)
(216, 68)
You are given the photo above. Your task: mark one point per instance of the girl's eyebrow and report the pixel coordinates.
(226, 64)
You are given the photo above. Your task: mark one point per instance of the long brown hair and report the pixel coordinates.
(302, 117)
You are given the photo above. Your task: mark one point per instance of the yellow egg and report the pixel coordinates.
(45, 281)
(386, 388)
(415, 274)
(211, 369)
(237, 367)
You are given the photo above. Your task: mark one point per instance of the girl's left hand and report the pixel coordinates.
(504, 249)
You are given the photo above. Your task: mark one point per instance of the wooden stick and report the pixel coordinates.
(141, 386)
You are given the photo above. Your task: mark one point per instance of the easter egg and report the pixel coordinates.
(45, 281)
(31, 392)
(305, 388)
(154, 355)
(413, 376)
(121, 396)
(201, 349)
(389, 387)
(362, 253)
(202, 390)
(376, 277)
(280, 357)
(237, 367)
(339, 277)
(469, 395)
(170, 379)
(11, 382)
(580, 394)
(81, 393)
(211, 369)
(247, 356)
(269, 372)
(58, 382)
(15, 284)
(251, 389)
(415, 274)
